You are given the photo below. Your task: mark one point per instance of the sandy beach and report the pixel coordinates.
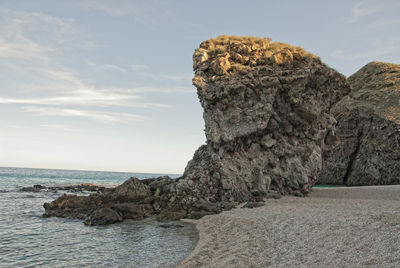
(332, 227)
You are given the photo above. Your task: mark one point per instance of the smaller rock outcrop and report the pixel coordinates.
(130, 200)
(368, 130)
(103, 216)
(80, 188)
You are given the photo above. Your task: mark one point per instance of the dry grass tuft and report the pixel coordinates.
(242, 52)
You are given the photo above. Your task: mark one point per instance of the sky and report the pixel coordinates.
(106, 84)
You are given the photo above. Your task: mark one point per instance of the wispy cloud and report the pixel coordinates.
(107, 117)
(112, 67)
(66, 78)
(31, 43)
(385, 22)
(366, 8)
(144, 70)
(20, 47)
(117, 8)
(372, 51)
(175, 89)
(362, 9)
(23, 35)
(180, 77)
(139, 67)
(83, 97)
(127, 97)
(66, 88)
(59, 127)
(151, 13)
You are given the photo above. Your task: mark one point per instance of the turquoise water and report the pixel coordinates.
(28, 240)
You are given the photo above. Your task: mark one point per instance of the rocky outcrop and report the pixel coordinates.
(368, 129)
(266, 112)
(130, 200)
(80, 188)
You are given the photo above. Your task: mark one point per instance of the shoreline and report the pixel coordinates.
(339, 227)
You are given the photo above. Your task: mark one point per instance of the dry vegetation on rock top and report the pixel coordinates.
(229, 54)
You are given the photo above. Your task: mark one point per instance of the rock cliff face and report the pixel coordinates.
(368, 129)
(266, 117)
(266, 112)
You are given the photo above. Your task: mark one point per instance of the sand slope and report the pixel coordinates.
(333, 227)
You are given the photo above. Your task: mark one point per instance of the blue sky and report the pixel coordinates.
(106, 84)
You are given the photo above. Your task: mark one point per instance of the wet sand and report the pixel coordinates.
(332, 227)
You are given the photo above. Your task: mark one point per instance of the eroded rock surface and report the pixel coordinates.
(266, 112)
(368, 129)
(130, 200)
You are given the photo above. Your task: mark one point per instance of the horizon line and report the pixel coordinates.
(91, 170)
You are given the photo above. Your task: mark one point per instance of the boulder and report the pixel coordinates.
(368, 130)
(103, 216)
(133, 210)
(72, 206)
(130, 200)
(129, 191)
(30, 189)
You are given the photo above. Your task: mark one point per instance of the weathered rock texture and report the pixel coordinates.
(266, 108)
(368, 129)
(130, 200)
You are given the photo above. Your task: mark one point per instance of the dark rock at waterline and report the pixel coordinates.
(171, 225)
(85, 187)
(368, 130)
(35, 188)
(130, 200)
(167, 215)
(30, 189)
(133, 210)
(130, 191)
(73, 206)
(103, 216)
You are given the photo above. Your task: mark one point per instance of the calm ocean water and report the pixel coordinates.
(28, 240)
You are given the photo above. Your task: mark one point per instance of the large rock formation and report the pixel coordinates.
(368, 129)
(266, 112)
(266, 108)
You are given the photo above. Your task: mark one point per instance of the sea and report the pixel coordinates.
(29, 240)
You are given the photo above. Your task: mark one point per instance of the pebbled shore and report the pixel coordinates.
(333, 227)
